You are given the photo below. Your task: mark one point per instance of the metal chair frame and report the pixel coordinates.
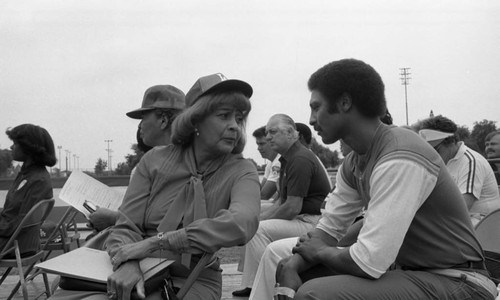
(34, 218)
(65, 224)
(487, 231)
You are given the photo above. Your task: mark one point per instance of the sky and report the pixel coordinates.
(76, 67)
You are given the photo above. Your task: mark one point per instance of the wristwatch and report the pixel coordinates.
(160, 237)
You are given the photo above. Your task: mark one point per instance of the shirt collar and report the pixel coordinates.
(291, 151)
(460, 152)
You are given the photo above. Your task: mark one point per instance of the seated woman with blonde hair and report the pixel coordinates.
(195, 196)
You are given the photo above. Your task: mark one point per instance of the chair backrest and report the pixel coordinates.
(60, 228)
(488, 232)
(34, 218)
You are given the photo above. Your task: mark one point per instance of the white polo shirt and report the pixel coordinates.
(272, 171)
(473, 175)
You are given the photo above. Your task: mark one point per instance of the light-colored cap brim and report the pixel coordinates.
(434, 137)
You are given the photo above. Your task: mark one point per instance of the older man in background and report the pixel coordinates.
(492, 149)
(303, 188)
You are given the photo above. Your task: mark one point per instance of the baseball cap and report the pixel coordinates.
(159, 96)
(216, 83)
(434, 137)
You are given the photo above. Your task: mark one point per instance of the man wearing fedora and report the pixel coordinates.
(469, 169)
(160, 106)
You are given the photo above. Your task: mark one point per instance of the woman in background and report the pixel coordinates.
(33, 146)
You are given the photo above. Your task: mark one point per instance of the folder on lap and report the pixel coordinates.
(95, 265)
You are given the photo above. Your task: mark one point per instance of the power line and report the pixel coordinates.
(405, 80)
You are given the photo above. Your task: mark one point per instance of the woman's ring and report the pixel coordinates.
(111, 295)
(113, 259)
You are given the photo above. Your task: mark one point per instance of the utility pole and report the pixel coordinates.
(405, 80)
(68, 153)
(69, 160)
(59, 147)
(109, 150)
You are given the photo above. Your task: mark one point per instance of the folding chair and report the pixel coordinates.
(33, 219)
(58, 239)
(488, 235)
(190, 280)
(202, 263)
(488, 231)
(62, 238)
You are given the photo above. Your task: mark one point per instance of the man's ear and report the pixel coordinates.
(345, 103)
(164, 123)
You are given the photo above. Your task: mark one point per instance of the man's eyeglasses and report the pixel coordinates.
(438, 146)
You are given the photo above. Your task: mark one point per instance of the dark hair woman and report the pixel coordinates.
(33, 146)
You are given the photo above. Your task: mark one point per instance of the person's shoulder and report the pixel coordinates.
(164, 148)
(398, 144)
(477, 159)
(400, 135)
(238, 162)
(161, 151)
(395, 139)
(38, 173)
(475, 154)
(155, 157)
(239, 159)
(36, 176)
(303, 164)
(300, 152)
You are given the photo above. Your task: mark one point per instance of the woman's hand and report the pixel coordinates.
(124, 279)
(128, 252)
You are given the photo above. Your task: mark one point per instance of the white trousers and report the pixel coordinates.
(265, 278)
(268, 232)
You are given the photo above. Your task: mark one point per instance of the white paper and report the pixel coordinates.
(80, 187)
